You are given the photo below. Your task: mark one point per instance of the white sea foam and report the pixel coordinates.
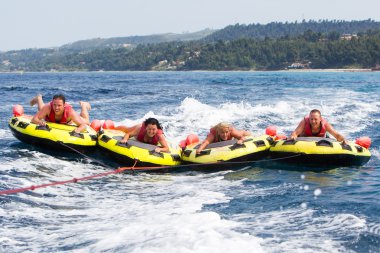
(162, 213)
(300, 230)
(374, 228)
(5, 134)
(146, 214)
(192, 116)
(375, 153)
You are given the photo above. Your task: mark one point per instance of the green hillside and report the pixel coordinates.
(275, 46)
(278, 29)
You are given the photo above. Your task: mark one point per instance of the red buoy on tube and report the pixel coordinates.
(18, 110)
(96, 125)
(365, 142)
(271, 130)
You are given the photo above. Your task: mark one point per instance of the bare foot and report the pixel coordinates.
(85, 104)
(34, 100)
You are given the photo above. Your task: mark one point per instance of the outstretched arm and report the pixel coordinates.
(239, 135)
(39, 117)
(337, 135)
(208, 140)
(129, 132)
(298, 131)
(78, 121)
(164, 145)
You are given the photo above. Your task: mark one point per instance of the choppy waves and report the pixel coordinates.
(261, 208)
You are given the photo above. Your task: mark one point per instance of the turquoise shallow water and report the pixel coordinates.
(264, 207)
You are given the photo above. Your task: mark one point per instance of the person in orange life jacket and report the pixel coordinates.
(150, 131)
(58, 111)
(223, 132)
(315, 125)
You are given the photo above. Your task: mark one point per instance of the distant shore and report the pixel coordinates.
(328, 70)
(282, 70)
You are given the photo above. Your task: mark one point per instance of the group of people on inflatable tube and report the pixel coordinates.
(150, 131)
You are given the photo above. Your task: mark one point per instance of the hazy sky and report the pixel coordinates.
(50, 23)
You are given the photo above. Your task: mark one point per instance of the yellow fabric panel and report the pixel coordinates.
(134, 152)
(58, 132)
(311, 147)
(225, 153)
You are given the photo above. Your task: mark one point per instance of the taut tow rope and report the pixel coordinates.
(73, 180)
(121, 169)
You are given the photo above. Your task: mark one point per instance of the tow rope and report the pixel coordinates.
(121, 169)
(73, 180)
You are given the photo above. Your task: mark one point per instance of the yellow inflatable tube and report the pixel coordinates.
(253, 148)
(134, 151)
(320, 151)
(52, 135)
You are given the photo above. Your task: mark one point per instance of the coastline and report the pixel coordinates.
(328, 70)
(252, 70)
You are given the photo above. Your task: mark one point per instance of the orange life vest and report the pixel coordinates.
(307, 131)
(155, 138)
(66, 111)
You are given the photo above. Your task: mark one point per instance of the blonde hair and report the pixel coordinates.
(222, 125)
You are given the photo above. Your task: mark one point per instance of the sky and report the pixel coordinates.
(53, 23)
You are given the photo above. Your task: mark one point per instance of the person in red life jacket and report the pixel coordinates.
(58, 111)
(314, 125)
(150, 131)
(223, 132)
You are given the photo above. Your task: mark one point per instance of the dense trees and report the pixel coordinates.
(314, 49)
(279, 29)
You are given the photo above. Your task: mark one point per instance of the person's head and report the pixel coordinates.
(59, 101)
(315, 118)
(152, 126)
(223, 130)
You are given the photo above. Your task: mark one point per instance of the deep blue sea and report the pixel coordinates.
(264, 207)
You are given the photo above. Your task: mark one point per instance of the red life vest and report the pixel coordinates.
(217, 137)
(307, 131)
(66, 111)
(155, 138)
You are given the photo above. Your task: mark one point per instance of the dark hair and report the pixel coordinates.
(60, 96)
(152, 121)
(315, 111)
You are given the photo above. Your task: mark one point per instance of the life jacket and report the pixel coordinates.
(216, 135)
(307, 131)
(155, 138)
(66, 111)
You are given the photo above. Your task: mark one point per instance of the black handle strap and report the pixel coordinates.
(158, 154)
(237, 146)
(45, 128)
(75, 134)
(203, 152)
(324, 143)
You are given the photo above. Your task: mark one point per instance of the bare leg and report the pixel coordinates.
(125, 129)
(85, 107)
(37, 100)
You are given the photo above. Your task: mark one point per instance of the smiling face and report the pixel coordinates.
(315, 120)
(58, 106)
(223, 133)
(151, 130)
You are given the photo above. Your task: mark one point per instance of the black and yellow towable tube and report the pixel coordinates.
(52, 135)
(135, 151)
(320, 152)
(253, 148)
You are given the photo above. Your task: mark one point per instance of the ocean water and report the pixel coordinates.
(263, 207)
